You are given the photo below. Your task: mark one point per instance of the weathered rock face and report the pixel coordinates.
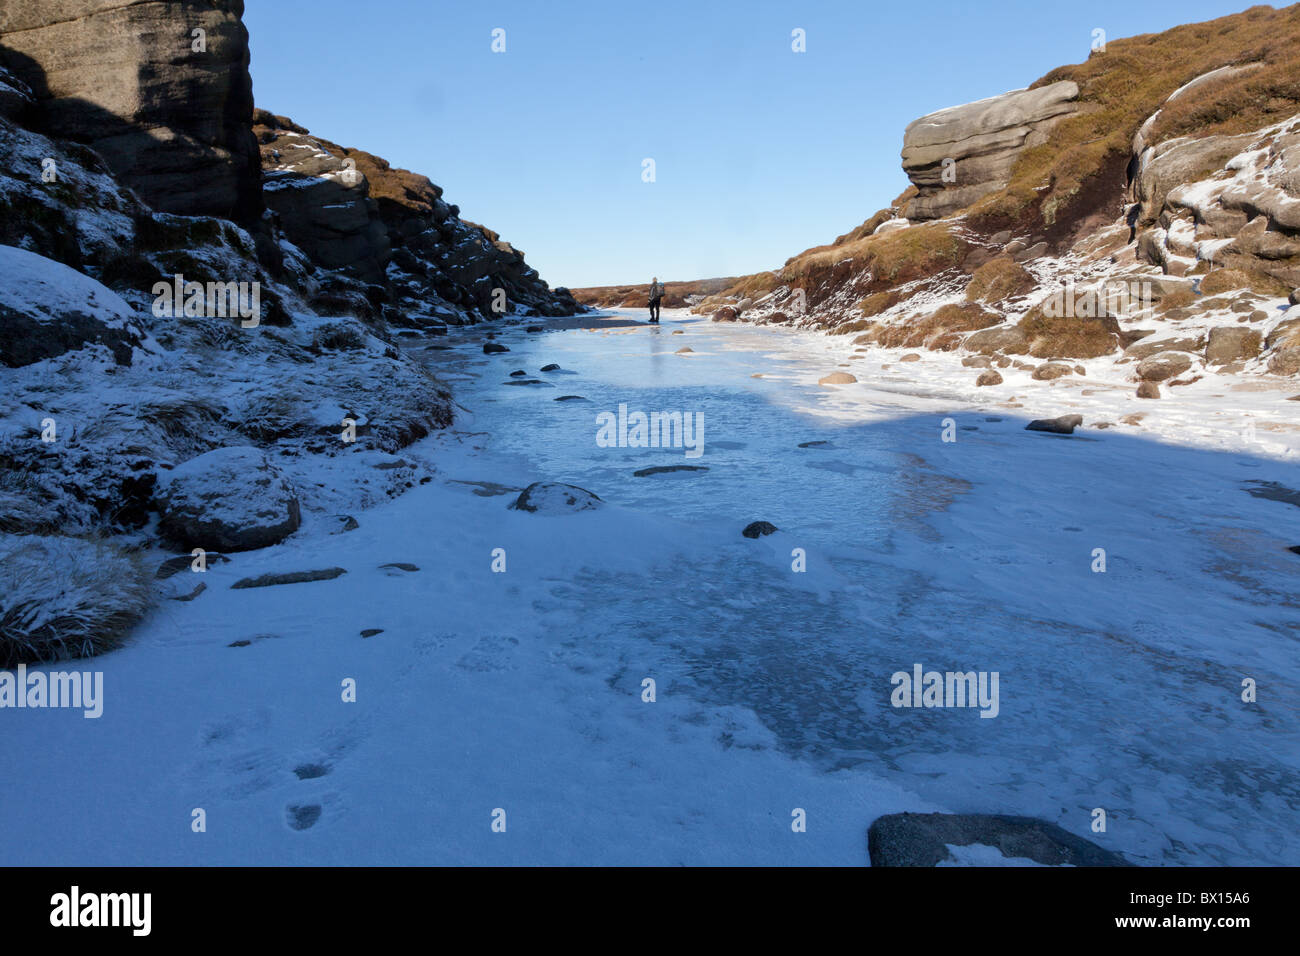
(1229, 201)
(976, 145)
(172, 121)
(350, 210)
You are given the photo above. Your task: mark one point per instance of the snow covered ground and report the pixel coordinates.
(522, 690)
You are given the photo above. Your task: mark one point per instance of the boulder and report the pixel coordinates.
(47, 309)
(922, 839)
(989, 377)
(1002, 338)
(1231, 343)
(172, 122)
(493, 348)
(981, 142)
(1148, 390)
(1147, 347)
(1064, 425)
(1285, 362)
(757, 529)
(1163, 365)
(1051, 370)
(836, 378)
(547, 497)
(229, 499)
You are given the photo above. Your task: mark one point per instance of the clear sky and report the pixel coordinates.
(759, 152)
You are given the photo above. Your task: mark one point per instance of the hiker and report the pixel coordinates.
(656, 293)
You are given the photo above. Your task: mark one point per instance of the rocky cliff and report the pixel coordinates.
(350, 210)
(161, 91)
(202, 310)
(959, 155)
(1138, 210)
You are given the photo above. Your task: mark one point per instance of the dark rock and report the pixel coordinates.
(518, 373)
(535, 328)
(756, 529)
(922, 839)
(551, 368)
(819, 443)
(400, 566)
(1064, 425)
(493, 348)
(572, 398)
(292, 577)
(345, 523)
(372, 631)
(184, 562)
(666, 469)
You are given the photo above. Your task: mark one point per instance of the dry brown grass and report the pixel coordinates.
(1069, 337)
(1178, 299)
(1082, 163)
(878, 302)
(998, 280)
(942, 330)
(1229, 280)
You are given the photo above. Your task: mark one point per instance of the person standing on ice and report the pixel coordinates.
(656, 293)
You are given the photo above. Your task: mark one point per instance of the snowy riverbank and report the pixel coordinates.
(523, 690)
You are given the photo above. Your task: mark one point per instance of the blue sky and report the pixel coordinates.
(759, 152)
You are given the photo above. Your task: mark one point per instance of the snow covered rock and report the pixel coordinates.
(47, 309)
(544, 497)
(229, 499)
(15, 96)
(922, 839)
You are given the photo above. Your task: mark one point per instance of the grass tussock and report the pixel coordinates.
(66, 597)
(998, 280)
(1230, 280)
(1069, 337)
(941, 331)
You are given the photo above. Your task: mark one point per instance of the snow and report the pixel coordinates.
(980, 854)
(45, 290)
(523, 690)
